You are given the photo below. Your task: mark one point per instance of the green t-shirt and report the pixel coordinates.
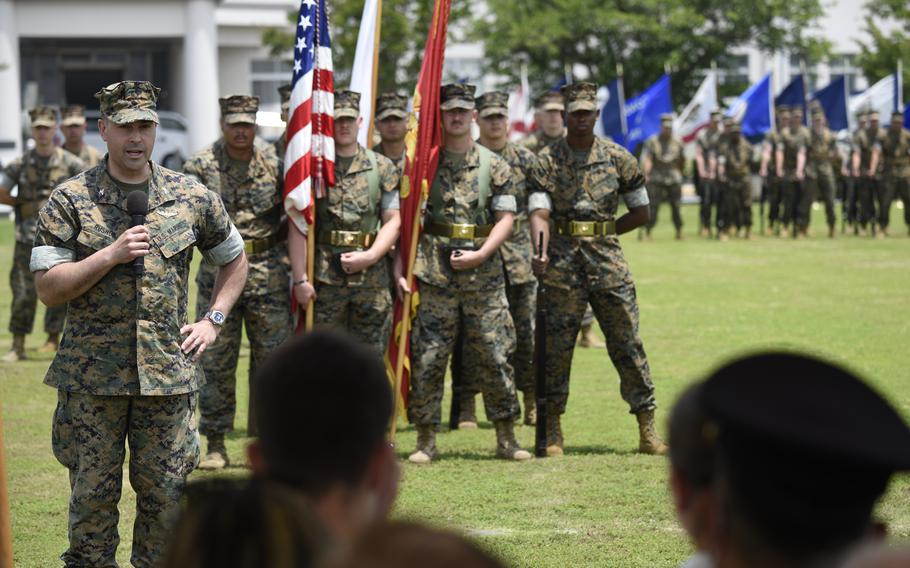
(343, 163)
(454, 158)
(126, 188)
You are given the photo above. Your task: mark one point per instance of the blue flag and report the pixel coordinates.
(793, 94)
(643, 112)
(907, 116)
(752, 109)
(613, 113)
(833, 100)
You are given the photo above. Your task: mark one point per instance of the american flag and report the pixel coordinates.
(310, 153)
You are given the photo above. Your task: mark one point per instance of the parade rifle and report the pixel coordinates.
(457, 372)
(540, 361)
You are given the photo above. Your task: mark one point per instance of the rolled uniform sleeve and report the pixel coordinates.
(539, 183)
(389, 181)
(218, 238)
(9, 175)
(631, 181)
(502, 188)
(54, 242)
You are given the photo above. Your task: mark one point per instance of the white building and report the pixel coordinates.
(63, 51)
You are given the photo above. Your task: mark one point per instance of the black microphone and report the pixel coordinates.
(137, 205)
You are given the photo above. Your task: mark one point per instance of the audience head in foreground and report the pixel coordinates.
(801, 451)
(324, 404)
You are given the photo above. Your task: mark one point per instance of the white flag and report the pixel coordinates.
(881, 96)
(362, 72)
(697, 113)
(521, 118)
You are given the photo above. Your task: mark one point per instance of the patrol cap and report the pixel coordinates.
(806, 447)
(897, 115)
(550, 100)
(734, 127)
(347, 104)
(717, 113)
(43, 116)
(580, 96)
(284, 91)
(391, 105)
(239, 108)
(666, 118)
(457, 95)
(129, 101)
(72, 115)
(783, 108)
(493, 103)
(872, 114)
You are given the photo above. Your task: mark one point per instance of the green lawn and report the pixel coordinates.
(602, 504)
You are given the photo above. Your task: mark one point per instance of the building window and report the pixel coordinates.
(267, 75)
(845, 64)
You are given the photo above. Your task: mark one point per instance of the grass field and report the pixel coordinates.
(602, 504)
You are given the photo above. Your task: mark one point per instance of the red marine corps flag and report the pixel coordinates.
(310, 155)
(423, 141)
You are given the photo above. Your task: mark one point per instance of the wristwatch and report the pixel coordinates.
(215, 317)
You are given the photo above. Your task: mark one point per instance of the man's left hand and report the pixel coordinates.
(354, 262)
(467, 260)
(199, 336)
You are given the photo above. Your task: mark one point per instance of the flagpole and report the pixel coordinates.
(6, 538)
(803, 74)
(374, 92)
(900, 86)
(620, 89)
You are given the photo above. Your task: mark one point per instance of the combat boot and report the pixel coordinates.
(679, 235)
(587, 338)
(554, 435)
(17, 352)
(52, 343)
(648, 440)
(467, 413)
(507, 447)
(217, 456)
(426, 445)
(530, 408)
(831, 232)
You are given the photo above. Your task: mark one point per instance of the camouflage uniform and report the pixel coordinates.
(792, 141)
(359, 303)
(820, 181)
(896, 168)
(74, 115)
(709, 143)
(280, 145)
(538, 140)
(391, 105)
(736, 157)
(120, 373)
(665, 183)
(772, 140)
(476, 297)
(865, 143)
(516, 252)
(35, 177)
(590, 269)
(251, 193)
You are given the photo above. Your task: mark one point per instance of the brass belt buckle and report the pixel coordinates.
(582, 228)
(345, 238)
(248, 247)
(462, 231)
(609, 227)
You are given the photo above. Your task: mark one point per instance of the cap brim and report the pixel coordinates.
(43, 122)
(552, 106)
(133, 115)
(581, 105)
(73, 121)
(391, 113)
(457, 103)
(238, 117)
(493, 111)
(346, 113)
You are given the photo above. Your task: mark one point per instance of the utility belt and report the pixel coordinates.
(459, 231)
(585, 228)
(348, 239)
(29, 209)
(257, 246)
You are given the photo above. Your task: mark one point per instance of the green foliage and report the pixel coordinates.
(403, 35)
(602, 504)
(645, 36)
(879, 57)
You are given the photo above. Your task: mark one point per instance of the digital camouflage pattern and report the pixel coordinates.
(43, 116)
(36, 181)
(591, 269)
(820, 181)
(457, 95)
(72, 115)
(492, 103)
(896, 167)
(239, 108)
(397, 161)
(538, 140)
(90, 156)
(866, 141)
(25, 297)
(665, 178)
(251, 194)
(737, 160)
(347, 104)
(129, 101)
(89, 436)
(792, 141)
(391, 105)
(124, 339)
(459, 187)
(489, 341)
(359, 303)
(616, 310)
(517, 250)
(708, 142)
(579, 96)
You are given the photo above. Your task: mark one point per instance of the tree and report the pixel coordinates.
(879, 56)
(403, 33)
(645, 36)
